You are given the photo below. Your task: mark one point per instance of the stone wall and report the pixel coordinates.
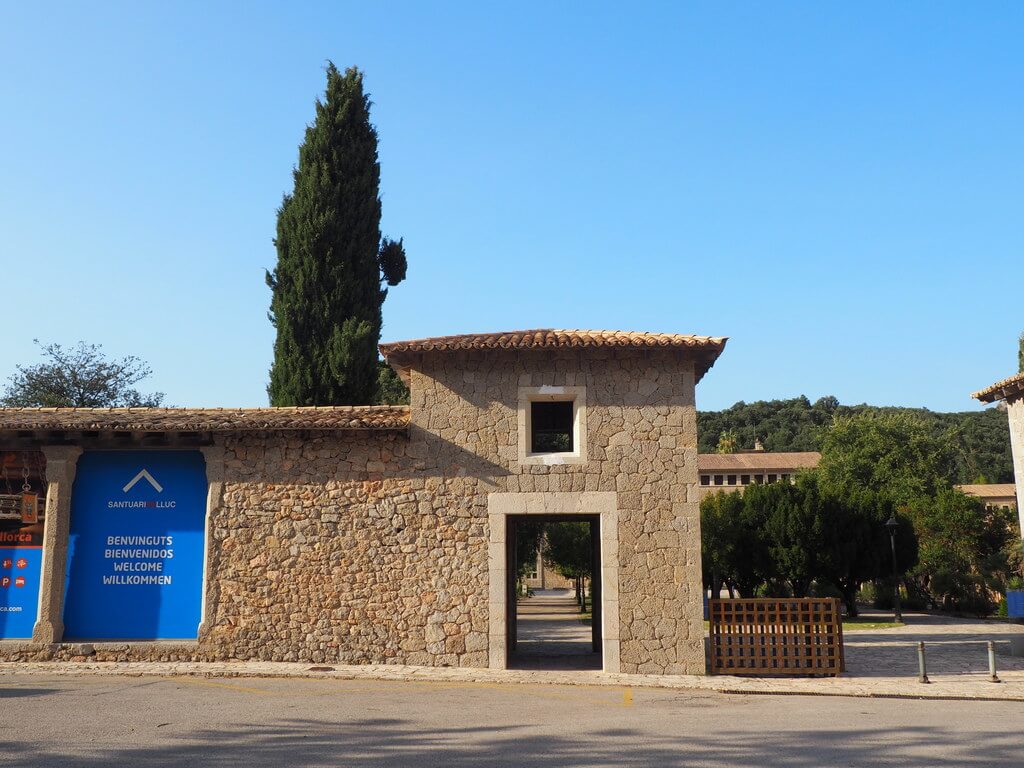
(642, 445)
(332, 549)
(372, 547)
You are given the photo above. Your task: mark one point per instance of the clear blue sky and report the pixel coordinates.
(837, 187)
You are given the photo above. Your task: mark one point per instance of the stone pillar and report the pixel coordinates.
(214, 456)
(1015, 412)
(61, 465)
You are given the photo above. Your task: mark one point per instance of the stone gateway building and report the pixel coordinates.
(362, 535)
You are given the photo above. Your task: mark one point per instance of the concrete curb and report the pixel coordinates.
(951, 688)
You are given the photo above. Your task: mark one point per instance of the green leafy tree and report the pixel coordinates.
(721, 526)
(391, 390)
(1020, 354)
(567, 547)
(728, 442)
(853, 544)
(332, 262)
(982, 438)
(781, 425)
(965, 551)
(794, 527)
(782, 539)
(893, 454)
(80, 377)
(734, 544)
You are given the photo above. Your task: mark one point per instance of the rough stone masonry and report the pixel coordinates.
(364, 536)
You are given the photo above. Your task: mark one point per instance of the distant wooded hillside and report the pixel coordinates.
(983, 437)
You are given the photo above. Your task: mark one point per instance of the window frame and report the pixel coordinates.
(561, 412)
(578, 397)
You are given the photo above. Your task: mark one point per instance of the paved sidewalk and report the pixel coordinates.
(953, 647)
(880, 663)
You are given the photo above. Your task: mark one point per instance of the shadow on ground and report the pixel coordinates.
(393, 742)
(23, 693)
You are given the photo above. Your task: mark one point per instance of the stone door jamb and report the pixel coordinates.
(602, 504)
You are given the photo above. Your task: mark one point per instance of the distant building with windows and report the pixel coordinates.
(993, 494)
(735, 471)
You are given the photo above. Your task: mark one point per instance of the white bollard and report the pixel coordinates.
(992, 662)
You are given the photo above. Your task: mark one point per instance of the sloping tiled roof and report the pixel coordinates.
(706, 349)
(989, 490)
(1007, 389)
(204, 419)
(759, 461)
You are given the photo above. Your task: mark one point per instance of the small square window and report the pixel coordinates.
(772, 478)
(551, 426)
(718, 479)
(744, 479)
(705, 479)
(732, 479)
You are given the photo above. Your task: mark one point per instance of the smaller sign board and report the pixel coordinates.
(29, 508)
(21, 562)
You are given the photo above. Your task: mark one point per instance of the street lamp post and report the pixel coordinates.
(892, 524)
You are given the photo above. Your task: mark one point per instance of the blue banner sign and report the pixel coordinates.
(21, 561)
(135, 551)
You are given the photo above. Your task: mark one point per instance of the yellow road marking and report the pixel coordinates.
(627, 697)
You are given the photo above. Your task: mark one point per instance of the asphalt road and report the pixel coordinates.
(94, 721)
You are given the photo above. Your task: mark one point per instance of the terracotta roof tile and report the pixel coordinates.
(761, 461)
(989, 490)
(706, 348)
(204, 419)
(1011, 388)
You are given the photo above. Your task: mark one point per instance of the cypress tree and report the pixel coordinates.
(332, 263)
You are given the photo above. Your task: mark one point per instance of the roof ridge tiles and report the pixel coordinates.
(1012, 387)
(159, 419)
(707, 348)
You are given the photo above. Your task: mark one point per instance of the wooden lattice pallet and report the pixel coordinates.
(769, 636)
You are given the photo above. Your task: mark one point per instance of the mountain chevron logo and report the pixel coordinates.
(144, 475)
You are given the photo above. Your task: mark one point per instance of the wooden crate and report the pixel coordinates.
(772, 636)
